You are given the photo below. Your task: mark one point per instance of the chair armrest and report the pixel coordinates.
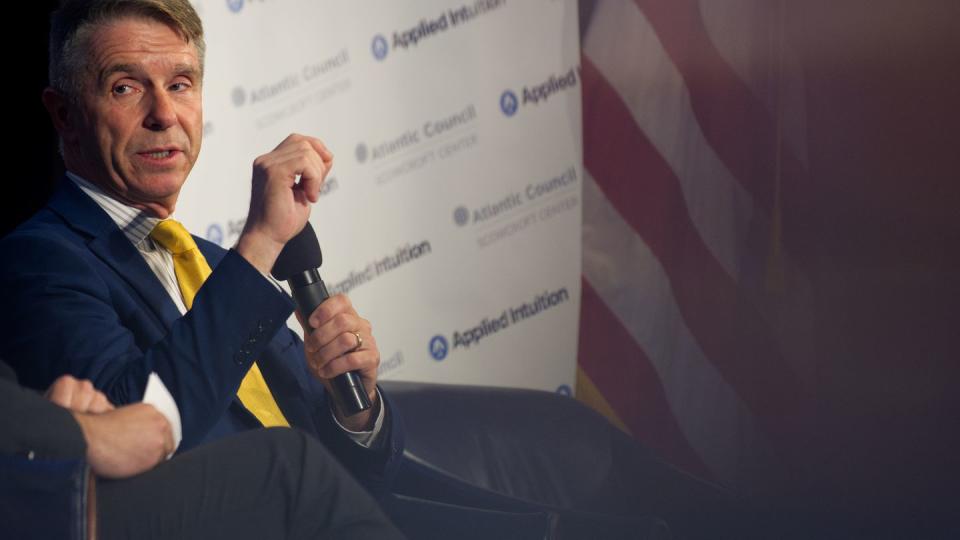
(43, 498)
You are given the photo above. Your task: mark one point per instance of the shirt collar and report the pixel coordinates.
(134, 222)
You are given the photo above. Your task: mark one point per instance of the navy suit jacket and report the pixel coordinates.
(79, 299)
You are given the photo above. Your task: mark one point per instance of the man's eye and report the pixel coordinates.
(122, 89)
(179, 86)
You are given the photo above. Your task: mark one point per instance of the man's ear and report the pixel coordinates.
(61, 114)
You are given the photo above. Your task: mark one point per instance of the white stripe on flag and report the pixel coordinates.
(745, 32)
(633, 284)
(637, 67)
(626, 50)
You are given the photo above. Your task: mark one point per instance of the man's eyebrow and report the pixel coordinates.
(118, 68)
(188, 70)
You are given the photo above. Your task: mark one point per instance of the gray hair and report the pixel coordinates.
(75, 22)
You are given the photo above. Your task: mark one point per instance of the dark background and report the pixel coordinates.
(33, 150)
(883, 97)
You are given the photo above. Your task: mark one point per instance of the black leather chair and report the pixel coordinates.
(548, 466)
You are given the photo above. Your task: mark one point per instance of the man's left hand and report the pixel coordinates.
(333, 348)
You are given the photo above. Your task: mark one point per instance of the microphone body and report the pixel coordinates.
(309, 292)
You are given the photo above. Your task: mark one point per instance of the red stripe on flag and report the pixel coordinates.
(621, 370)
(733, 120)
(644, 190)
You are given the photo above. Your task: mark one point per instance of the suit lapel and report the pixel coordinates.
(111, 246)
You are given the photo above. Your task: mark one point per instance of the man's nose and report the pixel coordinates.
(161, 113)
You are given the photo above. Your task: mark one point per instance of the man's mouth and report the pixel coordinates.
(159, 154)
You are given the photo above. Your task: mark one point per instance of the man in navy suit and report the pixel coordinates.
(88, 291)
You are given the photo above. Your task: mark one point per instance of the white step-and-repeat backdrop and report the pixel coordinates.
(452, 214)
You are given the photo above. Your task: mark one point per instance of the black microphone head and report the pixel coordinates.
(302, 253)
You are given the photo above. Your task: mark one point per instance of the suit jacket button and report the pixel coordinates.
(239, 358)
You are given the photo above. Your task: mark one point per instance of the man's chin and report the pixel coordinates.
(156, 208)
(156, 194)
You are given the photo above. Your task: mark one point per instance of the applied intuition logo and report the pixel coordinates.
(509, 103)
(235, 5)
(439, 347)
(379, 47)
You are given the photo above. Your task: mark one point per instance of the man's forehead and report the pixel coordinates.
(137, 43)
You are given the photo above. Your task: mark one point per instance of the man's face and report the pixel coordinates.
(141, 118)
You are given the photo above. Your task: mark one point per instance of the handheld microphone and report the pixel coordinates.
(299, 265)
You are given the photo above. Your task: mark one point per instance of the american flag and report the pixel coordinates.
(696, 316)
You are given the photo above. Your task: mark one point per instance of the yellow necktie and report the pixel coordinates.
(192, 270)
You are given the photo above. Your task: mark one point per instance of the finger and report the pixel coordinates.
(338, 303)
(61, 391)
(322, 150)
(300, 145)
(302, 170)
(287, 141)
(330, 330)
(100, 404)
(302, 162)
(163, 428)
(292, 160)
(312, 177)
(83, 396)
(344, 343)
(341, 333)
(316, 145)
(363, 360)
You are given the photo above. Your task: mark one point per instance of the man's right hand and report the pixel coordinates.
(125, 441)
(279, 202)
(78, 395)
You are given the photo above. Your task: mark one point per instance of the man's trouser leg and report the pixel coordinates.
(264, 484)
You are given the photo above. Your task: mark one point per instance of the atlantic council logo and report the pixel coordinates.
(215, 234)
(439, 347)
(235, 5)
(461, 216)
(239, 96)
(379, 47)
(509, 103)
(361, 152)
